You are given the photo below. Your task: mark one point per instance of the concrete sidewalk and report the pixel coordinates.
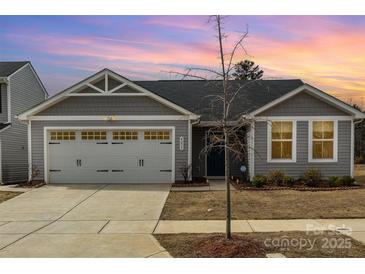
(351, 227)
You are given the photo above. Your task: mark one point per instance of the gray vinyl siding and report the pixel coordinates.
(181, 130)
(199, 158)
(25, 93)
(303, 104)
(108, 105)
(4, 104)
(340, 168)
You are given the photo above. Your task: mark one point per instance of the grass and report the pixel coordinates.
(6, 195)
(196, 245)
(285, 204)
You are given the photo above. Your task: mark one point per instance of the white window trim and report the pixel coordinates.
(335, 142)
(269, 142)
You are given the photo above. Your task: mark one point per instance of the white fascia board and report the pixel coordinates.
(152, 95)
(320, 94)
(58, 97)
(3, 80)
(62, 95)
(111, 118)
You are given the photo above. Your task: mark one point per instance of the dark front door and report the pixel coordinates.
(215, 162)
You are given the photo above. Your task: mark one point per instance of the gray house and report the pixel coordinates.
(20, 89)
(108, 129)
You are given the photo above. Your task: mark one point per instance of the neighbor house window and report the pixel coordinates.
(125, 135)
(63, 135)
(281, 141)
(157, 135)
(93, 135)
(323, 140)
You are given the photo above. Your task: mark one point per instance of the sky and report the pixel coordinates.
(325, 51)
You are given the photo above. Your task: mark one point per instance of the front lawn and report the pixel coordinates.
(6, 195)
(281, 204)
(255, 245)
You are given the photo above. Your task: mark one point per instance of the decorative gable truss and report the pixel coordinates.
(104, 83)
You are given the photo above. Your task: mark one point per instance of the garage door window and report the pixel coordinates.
(125, 135)
(157, 135)
(93, 135)
(63, 135)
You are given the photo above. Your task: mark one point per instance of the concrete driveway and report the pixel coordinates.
(83, 221)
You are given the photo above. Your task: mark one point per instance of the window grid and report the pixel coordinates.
(322, 139)
(93, 135)
(63, 135)
(282, 140)
(157, 135)
(125, 135)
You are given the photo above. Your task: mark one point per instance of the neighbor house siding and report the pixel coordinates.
(4, 104)
(181, 130)
(340, 168)
(25, 93)
(303, 104)
(108, 105)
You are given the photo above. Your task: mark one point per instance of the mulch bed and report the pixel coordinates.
(299, 187)
(32, 184)
(217, 246)
(189, 184)
(259, 244)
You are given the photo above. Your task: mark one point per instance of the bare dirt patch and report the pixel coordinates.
(257, 245)
(6, 195)
(285, 204)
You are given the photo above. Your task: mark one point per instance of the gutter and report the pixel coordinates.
(4, 80)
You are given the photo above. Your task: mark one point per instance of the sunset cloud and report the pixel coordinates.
(325, 51)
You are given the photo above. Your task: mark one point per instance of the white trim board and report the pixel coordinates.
(111, 118)
(317, 93)
(62, 95)
(335, 143)
(294, 143)
(45, 142)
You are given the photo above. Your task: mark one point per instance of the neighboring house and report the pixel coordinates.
(20, 89)
(108, 129)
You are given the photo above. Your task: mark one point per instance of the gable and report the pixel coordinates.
(100, 93)
(108, 105)
(304, 104)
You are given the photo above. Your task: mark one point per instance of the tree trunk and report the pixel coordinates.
(228, 188)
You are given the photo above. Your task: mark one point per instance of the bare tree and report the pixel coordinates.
(228, 133)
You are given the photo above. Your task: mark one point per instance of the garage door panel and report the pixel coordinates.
(110, 161)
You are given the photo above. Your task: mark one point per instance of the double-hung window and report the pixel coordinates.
(323, 140)
(282, 141)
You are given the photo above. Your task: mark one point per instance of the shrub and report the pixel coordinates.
(259, 181)
(334, 181)
(347, 181)
(312, 177)
(276, 177)
(288, 181)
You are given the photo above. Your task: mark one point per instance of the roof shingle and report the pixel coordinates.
(196, 95)
(7, 68)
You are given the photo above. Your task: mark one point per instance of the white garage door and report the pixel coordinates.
(110, 156)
